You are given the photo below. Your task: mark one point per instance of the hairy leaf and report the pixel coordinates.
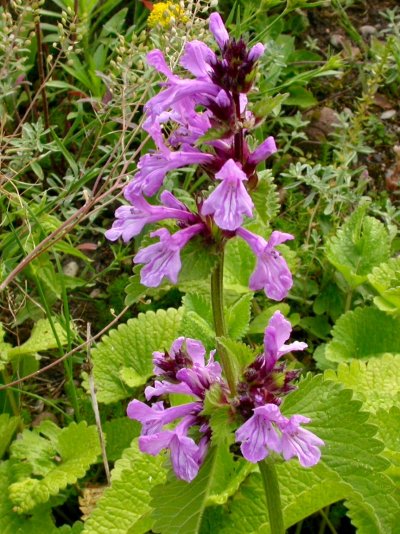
(238, 316)
(239, 264)
(42, 338)
(351, 467)
(129, 348)
(386, 280)
(266, 198)
(179, 506)
(360, 245)
(376, 382)
(40, 521)
(124, 506)
(56, 459)
(363, 333)
(8, 426)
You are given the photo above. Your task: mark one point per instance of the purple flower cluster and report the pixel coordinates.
(178, 119)
(265, 381)
(260, 393)
(181, 370)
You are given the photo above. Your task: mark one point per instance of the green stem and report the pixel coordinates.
(348, 300)
(217, 301)
(271, 487)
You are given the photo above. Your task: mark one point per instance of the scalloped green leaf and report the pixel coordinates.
(265, 197)
(351, 468)
(126, 503)
(303, 492)
(119, 434)
(388, 423)
(8, 427)
(238, 265)
(55, 458)
(376, 382)
(238, 316)
(198, 261)
(363, 333)
(39, 522)
(361, 244)
(129, 349)
(385, 279)
(179, 506)
(42, 338)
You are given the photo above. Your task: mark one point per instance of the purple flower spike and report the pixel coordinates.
(277, 332)
(256, 52)
(271, 272)
(258, 435)
(230, 201)
(217, 28)
(297, 441)
(163, 258)
(132, 219)
(262, 152)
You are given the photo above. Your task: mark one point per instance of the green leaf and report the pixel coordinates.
(238, 266)
(179, 506)
(39, 522)
(55, 461)
(134, 290)
(266, 198)
(299, 96)
(363, 333)
(119, 434)
(130, 347)
(269, 105)
(68, 156)
(388, 423)
(8, 426)
(197, 321)
(352, 450)
(124, 505)
(360, 245)
(238, 316)
(303, 492)
(42, 338)
(198, 261)
(351, 467)
(240, 354)
(260, 322)
(376, 382)
(386, 280)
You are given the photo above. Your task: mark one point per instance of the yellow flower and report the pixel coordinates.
(165, 14)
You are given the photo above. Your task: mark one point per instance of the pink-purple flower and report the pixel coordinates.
(154, 167)
(277, 332)
(268, 430)
(186, 455)
(271, 273)
(130, 220)
(163, 259)
(229, 202)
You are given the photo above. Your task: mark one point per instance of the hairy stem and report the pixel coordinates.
(217, 300)
(273, 497)
(239, 134)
